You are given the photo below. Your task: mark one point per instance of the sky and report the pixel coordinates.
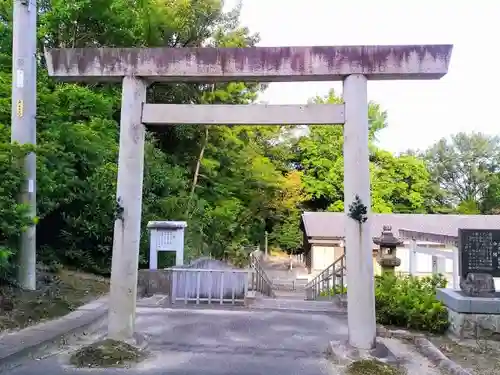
(419, 112)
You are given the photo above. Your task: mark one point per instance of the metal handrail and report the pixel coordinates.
(260, 281)
(330, 280)
(203, 285)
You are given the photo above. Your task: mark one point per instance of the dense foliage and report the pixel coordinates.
(410, 302)
(407, 302)
(230, 183)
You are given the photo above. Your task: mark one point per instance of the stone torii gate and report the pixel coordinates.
(138, 67)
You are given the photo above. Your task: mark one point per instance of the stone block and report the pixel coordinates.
(152, 282)
(474, 326)
(478, 285)
(456, 300)
(250, 297)
(471, 317)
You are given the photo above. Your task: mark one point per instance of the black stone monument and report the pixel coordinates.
(479, 251)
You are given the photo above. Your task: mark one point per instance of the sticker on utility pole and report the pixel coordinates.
(20, 108)
(31, 186)
(20, 78)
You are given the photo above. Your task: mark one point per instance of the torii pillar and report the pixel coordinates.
(353, 65)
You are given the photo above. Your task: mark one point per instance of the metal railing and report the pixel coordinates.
(208, 286)
(330, 282)
(259, 280)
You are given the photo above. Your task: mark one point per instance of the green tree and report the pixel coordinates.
(463, 167)
(230, 183)
(491, 199)
(287, 209)
(228, 202)
(399, 183)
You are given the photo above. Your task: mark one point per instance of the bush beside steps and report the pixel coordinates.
(408, 302)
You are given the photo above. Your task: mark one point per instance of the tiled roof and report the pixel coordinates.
(331, 224)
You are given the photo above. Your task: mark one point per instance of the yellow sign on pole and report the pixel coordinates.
(20, 108)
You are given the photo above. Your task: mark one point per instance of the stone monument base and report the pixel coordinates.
(472, 317)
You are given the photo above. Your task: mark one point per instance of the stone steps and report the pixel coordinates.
(296, 305)
(291, 282)
(290, 285)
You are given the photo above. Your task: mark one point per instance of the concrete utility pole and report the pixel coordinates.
(24, 124)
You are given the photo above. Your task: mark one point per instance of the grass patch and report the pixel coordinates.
(373, 367)
(57, 294)
(107, 353)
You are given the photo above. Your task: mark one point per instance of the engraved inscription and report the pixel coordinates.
(479, 251)
(479, 246)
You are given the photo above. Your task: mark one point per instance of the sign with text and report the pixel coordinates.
(479, 250)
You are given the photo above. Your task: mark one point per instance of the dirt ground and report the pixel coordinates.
(481, 357)
(57, 294)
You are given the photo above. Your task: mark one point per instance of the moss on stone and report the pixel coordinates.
(373, 367)
(107, 353)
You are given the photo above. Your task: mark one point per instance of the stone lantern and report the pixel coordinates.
(386, 256)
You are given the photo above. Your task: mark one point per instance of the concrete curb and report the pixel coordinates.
(23, 343)
(342, 353)
(427, 349)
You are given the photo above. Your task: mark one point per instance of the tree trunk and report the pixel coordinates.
(197, 170)
(198, 164)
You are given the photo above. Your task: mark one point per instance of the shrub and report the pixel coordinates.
(407, 301)
(410, 302)
(338, 289)
(14, 216)
(5, 254)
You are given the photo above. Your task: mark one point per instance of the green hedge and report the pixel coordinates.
(408, 302)
(411, 302)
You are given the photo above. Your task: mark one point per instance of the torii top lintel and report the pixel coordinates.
(257, 64)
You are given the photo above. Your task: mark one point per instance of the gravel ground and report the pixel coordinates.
(206, 342)
(479, 357)
(228, 342)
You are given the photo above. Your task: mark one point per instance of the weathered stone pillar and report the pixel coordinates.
(126, 239)
(360, 283)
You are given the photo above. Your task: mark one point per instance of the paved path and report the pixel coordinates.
(210, 342)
